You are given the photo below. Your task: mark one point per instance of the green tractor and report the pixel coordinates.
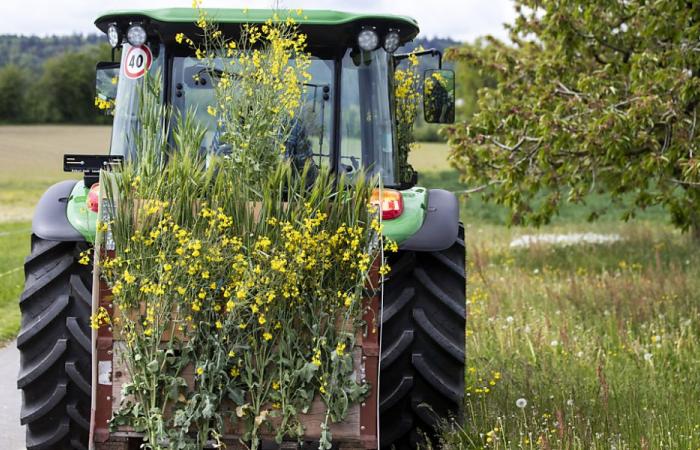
(351, 125)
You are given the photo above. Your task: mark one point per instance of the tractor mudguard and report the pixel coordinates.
(50, 220)
(441, 225)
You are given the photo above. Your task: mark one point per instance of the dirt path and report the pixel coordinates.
(11, 432)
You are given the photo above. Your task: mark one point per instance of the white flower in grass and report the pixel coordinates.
(521, 403)
(570, 402)
(648, 356)
(554, 343)
(509, 319)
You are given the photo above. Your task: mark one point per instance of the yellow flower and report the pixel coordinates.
(261, 319)
(167, 267)
(200, 371)
(129, 278)
(219, 325)
(267, 336)
(211, 110)
(340, 348)
(179, 37)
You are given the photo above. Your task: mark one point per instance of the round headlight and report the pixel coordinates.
(136, 35)
(113, 35)
(392, 41)
(368, 40)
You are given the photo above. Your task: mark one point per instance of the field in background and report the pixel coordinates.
(31, 160)
(586, 346)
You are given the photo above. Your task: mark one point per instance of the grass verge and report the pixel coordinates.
(14, 245)
(582, 347)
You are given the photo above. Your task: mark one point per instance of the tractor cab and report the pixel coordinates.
(347, 117)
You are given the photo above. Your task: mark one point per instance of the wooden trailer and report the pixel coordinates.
(358, 431)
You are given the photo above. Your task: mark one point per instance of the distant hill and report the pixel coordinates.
(30, 52)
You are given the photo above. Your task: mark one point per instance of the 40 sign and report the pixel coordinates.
(138, 61)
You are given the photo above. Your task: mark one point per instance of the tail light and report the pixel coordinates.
(93, 198)
(389, 201)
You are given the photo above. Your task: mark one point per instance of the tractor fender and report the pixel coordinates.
(441, 225)
(50, 220)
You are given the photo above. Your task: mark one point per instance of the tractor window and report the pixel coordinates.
(127, 104)
(193, 90)
(366, 121)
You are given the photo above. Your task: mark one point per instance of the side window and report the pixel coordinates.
(193, 90)
(317, 110)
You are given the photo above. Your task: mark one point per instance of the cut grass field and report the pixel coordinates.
(598, 343)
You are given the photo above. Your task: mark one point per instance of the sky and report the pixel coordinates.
(462, 20)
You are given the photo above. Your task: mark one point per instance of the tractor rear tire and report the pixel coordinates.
(423, 339)
(55, 346)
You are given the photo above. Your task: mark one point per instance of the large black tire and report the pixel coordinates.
(423, 337)
(55, 346)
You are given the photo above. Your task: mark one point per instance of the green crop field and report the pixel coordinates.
(569, 346)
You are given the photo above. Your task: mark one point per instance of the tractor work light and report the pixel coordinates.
(114, 36)
(392, 41)
(389, 201)
(136, 35)
(368, 40)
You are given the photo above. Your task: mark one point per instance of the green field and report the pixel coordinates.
(600, 341)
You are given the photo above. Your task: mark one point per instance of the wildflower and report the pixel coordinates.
(200, 371)
(129, 278)
(179, 37)
(267, 336)
(218, 325)
(384, 269)
(84, 258)
(648, 356)
(340, 348)
(521, 403)
(167, 267)
(235, 372)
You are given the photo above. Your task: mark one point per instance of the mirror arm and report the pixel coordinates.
(430, 52)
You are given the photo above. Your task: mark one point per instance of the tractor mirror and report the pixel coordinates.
(106, 80)
(439, 96)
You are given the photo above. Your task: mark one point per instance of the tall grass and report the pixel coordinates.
(585, 346)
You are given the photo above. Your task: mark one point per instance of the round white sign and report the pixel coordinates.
(138, 61)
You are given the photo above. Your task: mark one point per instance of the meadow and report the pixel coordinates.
(573, 347)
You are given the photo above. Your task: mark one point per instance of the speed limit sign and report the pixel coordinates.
(137, 62)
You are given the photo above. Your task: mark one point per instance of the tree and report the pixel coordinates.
(591, 96)
(66, 90)
(13, 87)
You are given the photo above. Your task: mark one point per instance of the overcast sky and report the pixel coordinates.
(460, 19)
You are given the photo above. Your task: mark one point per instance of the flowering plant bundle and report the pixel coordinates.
(242, 268)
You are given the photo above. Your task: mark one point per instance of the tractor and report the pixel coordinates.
(351, 125)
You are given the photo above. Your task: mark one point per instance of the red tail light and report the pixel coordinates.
(389, 201)
(93, 198)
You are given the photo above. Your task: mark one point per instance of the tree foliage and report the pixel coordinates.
(13, 88)
(595, 96)
(60, 90)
